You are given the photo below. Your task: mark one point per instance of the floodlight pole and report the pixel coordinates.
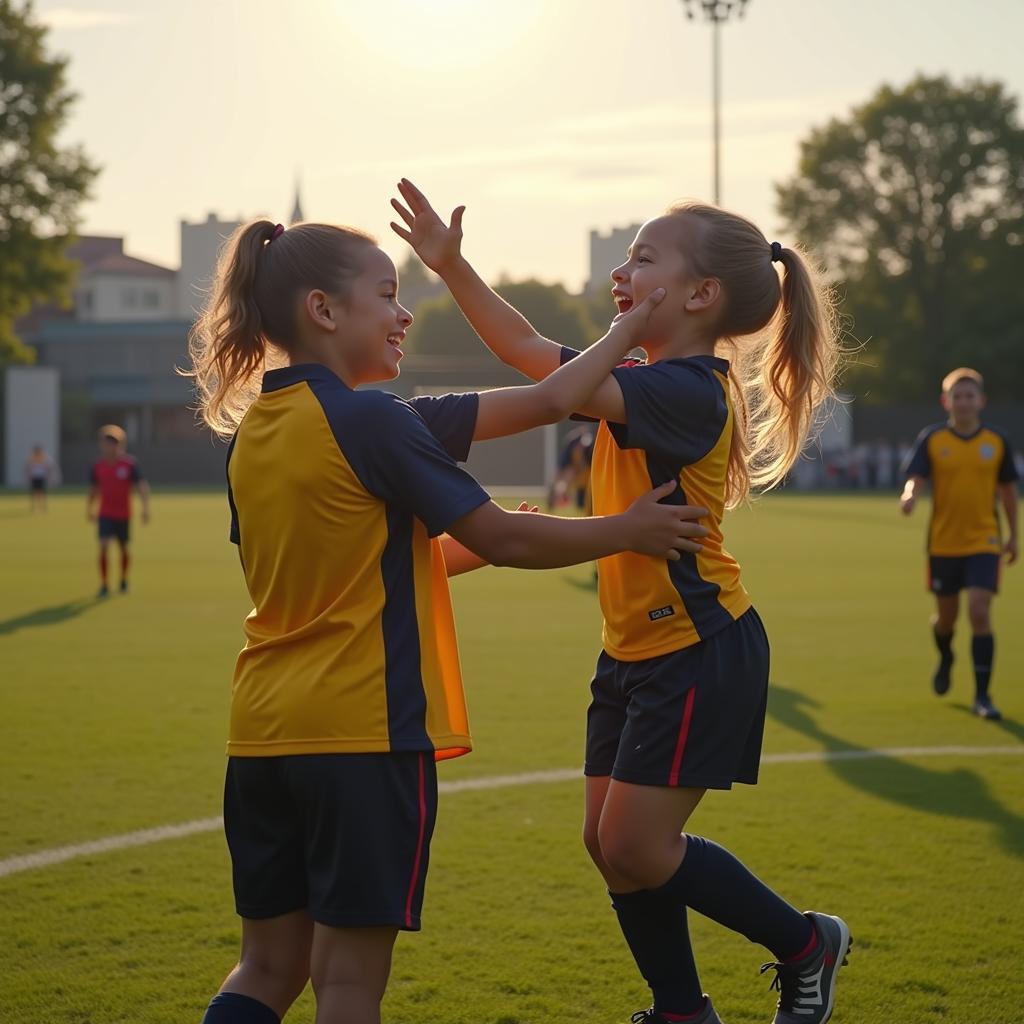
(717, 12)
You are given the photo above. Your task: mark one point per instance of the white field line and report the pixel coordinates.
(144, 837)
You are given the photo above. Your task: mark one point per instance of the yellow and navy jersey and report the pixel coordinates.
(679, 423)
(965, 471)
(337, 499)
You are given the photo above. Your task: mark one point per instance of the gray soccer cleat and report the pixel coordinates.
(706, 1016)
(984, 708)
(807, 989)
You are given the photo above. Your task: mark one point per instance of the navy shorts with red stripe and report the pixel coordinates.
(344, 836)
(948, 576)
(694, 717)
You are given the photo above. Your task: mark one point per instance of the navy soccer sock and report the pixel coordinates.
(659, 940)
(234, 1008)
(714, 883)
(944, 642)
(983, 649)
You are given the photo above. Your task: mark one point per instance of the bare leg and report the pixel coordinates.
(274, 963)
(640, 831)
(350, 968)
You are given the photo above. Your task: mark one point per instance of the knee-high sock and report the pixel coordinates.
(659, 939)
(713, 882)
(983, 649)
(234, 1008)
(125, 561)
(103, 565)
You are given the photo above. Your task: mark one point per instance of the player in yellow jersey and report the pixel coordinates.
(680, 689)
(969, 465)
(349, 511)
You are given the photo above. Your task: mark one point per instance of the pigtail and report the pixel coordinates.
(787, 376)
(228, 345)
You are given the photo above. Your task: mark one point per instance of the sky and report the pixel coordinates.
(546, 118)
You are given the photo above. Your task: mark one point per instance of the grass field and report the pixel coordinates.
(113, 715)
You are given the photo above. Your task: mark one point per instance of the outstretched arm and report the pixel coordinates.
(458, 559)
(547, 542)
(505, 331)
(505, 411)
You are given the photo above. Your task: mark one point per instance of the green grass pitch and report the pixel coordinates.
(113, 715)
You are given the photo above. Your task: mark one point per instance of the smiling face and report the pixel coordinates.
(371, 322)
(656, 260)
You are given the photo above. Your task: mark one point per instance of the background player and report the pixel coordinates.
(40, 472)
(968, 463)
(573, 477)
(114, 475)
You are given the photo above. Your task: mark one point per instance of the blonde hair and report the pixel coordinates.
(954, 377)
(783, 339)
(249, 318)
(112, 432)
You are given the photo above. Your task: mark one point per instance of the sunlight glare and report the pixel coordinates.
(440, 35)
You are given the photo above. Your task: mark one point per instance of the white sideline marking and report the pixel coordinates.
(144, 837)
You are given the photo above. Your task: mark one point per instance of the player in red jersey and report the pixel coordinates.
(113, 476)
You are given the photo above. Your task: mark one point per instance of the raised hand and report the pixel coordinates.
(439, 245)
(665, 530)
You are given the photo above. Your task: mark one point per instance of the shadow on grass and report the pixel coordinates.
(48, 616)
(950, 793)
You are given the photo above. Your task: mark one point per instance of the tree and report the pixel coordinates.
(41, 184)
(441, 329)
(914, 201)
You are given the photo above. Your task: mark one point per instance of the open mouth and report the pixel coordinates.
(395, 340)
(623, 302)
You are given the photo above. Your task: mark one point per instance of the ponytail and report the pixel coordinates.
(227, 344)
(248, 322)
(786, 378)
(782, 337)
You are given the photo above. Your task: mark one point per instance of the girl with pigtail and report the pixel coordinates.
(738, 361)
(350, 511)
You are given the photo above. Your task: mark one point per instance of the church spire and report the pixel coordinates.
(297, 214)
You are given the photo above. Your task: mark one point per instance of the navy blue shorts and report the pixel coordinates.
(344, 836)
(694, 717)
(116, 529)
(948, 576)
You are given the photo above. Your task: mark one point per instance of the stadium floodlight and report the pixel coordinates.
(717, 12)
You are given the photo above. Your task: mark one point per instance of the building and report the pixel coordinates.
(113, 287)
(118, 350)
(201, 243)
(607, 251)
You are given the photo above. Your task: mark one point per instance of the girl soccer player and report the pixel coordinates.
(680, 690)
(348, 686)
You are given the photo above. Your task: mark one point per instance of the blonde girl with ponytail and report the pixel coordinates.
(350, 511)
(740, 354)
